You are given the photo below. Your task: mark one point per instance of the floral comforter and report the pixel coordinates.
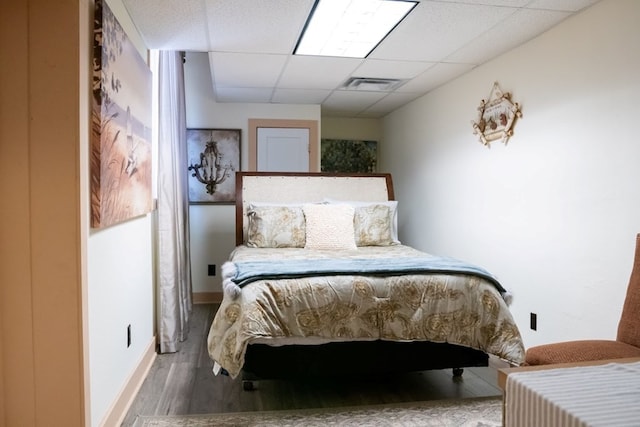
(457, 308)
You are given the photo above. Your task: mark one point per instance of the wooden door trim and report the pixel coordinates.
(314, 146)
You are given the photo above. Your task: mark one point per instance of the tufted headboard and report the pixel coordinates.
(291, 187)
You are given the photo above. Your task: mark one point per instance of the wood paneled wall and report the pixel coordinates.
(42, 351)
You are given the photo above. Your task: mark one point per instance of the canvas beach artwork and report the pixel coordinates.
(120, 154)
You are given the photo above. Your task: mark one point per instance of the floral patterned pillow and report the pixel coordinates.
(372, 226)
(393, 213)
(276, 227)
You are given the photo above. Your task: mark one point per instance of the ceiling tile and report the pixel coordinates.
(300, 96)
(317, 72)
(391, 102)
(352, 100)
(434, 77)
(168, 25)
(264, 26)
(508, 3)
(244, 70)
(243, 94)
(391, 69)
(433, 30)
(523, 25)
(567, 5)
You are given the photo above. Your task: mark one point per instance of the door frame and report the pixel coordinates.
(314, 146)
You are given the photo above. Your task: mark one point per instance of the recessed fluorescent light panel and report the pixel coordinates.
(350, 28)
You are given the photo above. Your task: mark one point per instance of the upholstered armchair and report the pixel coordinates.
(627, 343)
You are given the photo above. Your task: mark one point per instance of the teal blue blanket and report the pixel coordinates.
(251, 271)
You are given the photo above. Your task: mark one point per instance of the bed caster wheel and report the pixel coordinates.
(457, 372)
(248, 385)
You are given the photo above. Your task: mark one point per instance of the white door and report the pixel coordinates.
(283, 149)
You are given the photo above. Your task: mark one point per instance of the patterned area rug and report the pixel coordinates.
(480, 412)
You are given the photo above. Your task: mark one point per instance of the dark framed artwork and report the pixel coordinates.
(348, 156)
(120, 152)
(214, 158)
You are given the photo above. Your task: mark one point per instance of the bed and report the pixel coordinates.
(319, 284)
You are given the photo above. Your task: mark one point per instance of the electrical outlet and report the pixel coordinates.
(211, 269)
(534, 321)
(128, 336)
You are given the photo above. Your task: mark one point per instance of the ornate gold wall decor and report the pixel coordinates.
(496, 117)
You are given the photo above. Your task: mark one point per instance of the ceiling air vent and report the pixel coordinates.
(371, 84)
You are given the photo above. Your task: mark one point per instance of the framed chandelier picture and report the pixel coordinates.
(496, 117)
(214, 157)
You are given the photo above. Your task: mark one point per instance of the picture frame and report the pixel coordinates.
(348, 156)
(213, 157)
(120, 153)
(496, 117)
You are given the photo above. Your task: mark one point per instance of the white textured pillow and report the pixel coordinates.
(329, 227)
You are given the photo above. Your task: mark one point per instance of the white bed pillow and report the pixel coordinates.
(393, 213)
(329, 227)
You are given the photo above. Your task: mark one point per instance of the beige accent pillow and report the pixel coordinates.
(329, 227)
(372, 225)
(275, 227)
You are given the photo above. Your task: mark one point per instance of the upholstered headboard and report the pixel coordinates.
(292, 187)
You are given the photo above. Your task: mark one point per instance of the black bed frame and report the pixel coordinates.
(352, 358)
(355, 359)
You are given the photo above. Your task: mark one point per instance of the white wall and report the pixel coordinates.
(352, 128)
(120, 290)
(213, 226)
(553, 214)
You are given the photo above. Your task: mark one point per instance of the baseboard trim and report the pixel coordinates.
(123, 401)
(207, 297)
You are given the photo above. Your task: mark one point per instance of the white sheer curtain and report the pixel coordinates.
(173, 263)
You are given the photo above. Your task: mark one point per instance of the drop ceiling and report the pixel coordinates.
(250, 45)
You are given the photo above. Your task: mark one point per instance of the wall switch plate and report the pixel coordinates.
(211, 269)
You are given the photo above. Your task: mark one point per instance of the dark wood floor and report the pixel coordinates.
(183, 383)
